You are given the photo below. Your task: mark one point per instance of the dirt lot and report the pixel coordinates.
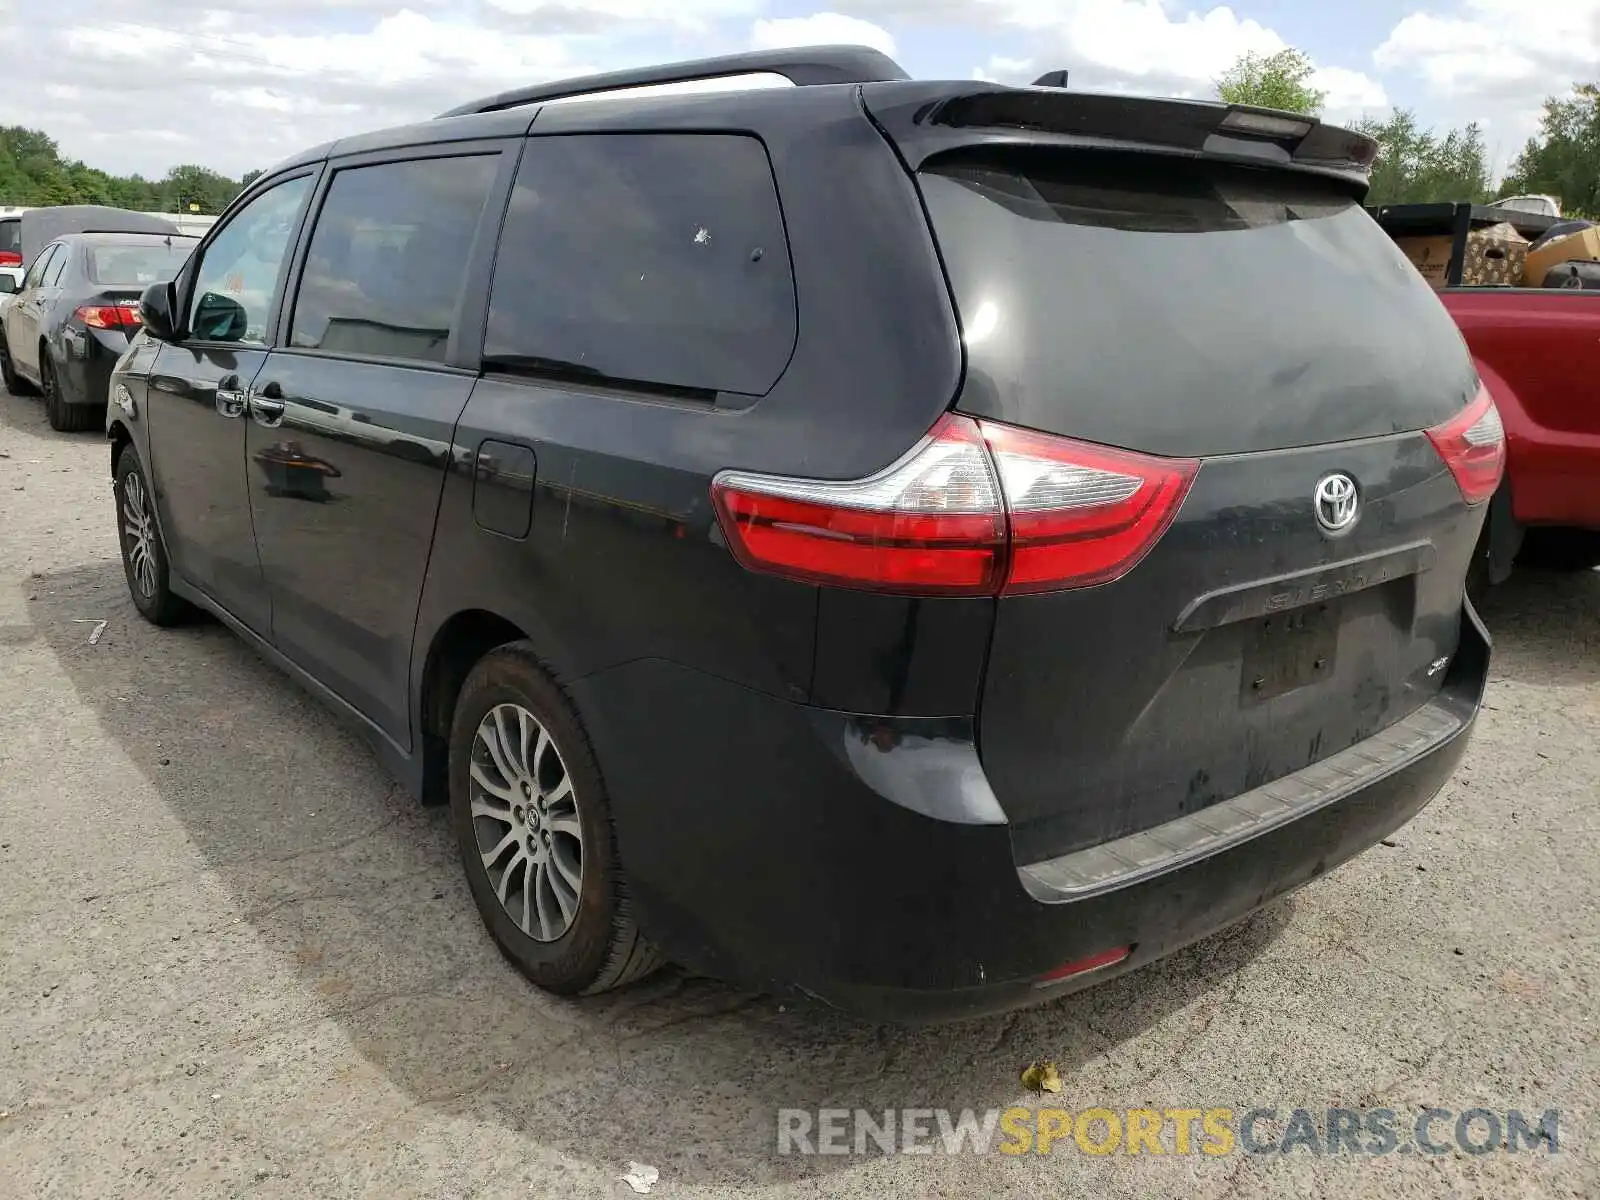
(237, 961)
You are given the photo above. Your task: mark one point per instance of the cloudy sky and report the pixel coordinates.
(143, 84)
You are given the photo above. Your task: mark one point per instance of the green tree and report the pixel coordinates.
(32, 172)
(1281, 80)
(1418, 166)
(1564, 160)
(191, 186)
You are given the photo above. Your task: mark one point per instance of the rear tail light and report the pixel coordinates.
(977, 509)
(10, 258)
(1473, 445)
(108, 316)
(930, 524)
(1081, 514)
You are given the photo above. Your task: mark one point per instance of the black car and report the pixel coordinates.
(927, 546)
(71, 320)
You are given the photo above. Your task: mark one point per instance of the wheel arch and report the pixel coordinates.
(1502, 531)
(120, 437)
(456, 646)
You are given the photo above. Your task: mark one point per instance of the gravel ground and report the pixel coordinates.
(237, 961)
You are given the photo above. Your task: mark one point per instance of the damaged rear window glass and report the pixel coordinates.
(648, 258)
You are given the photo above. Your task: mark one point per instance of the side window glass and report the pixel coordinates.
(39, 266)
(239, 271)
(58, 262)
(386, 262)
(656, 258)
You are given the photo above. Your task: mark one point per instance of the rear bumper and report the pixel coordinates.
(789, 848)
(85, 370)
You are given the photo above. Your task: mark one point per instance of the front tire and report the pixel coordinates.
(533, 824)
(144, 558)
(63, 417)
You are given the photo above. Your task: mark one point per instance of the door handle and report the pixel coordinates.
(266, 406)
(231, 397)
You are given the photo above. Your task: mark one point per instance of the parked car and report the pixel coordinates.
(26, 231)
(1538, 352)
(11, 246)
(1544, 206)
(79, 305)
(823, 582)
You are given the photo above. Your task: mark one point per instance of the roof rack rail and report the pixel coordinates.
(803, 67)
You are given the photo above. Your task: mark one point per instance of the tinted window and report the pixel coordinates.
(39, 267)
(138, 263)
(52, 273)
(658, 258)
(238, 274)
(1185, 307)
(388, 255)
(11, 236)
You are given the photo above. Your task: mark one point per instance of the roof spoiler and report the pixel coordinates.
(803, 67)
(926, 119)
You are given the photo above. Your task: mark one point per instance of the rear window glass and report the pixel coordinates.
(147, 262)
(650, 258)
(11, 236)
(1185, 307)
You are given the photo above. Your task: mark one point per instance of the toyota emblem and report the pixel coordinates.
(1337, 503)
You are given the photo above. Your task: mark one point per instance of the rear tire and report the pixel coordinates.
(1553, 549)
(63, 417)
(533, 824)
(144, 558)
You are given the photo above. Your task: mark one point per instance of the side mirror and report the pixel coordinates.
(219, 318)
(8, 286)
(155, 311)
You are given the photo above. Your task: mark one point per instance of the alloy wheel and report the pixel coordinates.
(138, 531)
(525, 818)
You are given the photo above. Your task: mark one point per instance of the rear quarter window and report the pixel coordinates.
(649, 258)
(11, 236)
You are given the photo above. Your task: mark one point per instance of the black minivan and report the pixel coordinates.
(927, 546)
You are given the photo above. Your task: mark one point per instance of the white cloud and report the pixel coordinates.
(1138, 39)
(820, 29)
(1349, 93)
(236, 94)
(693, 15)
(1137, 46)
(1494, 61)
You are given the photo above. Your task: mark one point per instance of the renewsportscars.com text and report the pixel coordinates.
(1180, 1131)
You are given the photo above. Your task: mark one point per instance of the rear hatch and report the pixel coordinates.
(1253, 319)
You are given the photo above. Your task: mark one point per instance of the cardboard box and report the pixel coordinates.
(1496, 257)
(1585, 244)
(1430, 255)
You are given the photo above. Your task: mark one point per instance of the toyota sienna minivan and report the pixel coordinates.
(925, 546)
